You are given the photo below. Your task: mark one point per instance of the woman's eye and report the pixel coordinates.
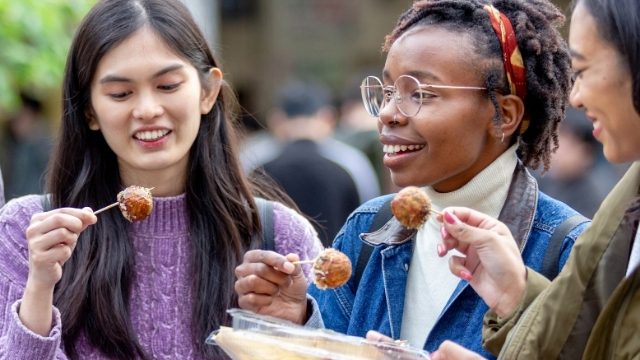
(577, 73)
(169, 87)
(422, 95)
(120, 95)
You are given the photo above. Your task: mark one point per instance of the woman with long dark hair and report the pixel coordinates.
(144, 103)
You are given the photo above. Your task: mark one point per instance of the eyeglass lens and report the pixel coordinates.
(372, 95)
(406, 93)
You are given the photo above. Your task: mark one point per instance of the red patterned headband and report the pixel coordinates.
(511, 56)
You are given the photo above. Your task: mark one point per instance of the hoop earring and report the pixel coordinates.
(502, 138)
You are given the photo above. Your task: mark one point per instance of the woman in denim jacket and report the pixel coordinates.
(471, 95)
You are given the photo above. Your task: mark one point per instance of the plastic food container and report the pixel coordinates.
(256, 336)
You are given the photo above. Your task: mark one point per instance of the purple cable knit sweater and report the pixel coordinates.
(160, 300)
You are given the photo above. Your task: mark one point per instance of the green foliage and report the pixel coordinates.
(34, 39)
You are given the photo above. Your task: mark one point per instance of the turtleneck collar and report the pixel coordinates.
(486, 192)
(168, 217)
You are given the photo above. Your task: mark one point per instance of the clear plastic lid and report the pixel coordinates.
(256, 336)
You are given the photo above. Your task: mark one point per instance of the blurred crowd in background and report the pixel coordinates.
(297, 66)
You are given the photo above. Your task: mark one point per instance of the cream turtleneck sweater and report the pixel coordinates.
(430, 283)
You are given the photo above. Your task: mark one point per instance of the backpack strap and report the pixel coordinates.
(265, 208)
(550, 262)
(382, 216)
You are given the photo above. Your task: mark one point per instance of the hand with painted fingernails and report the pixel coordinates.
(492, 263)
(51, 240)
(269, 283)
(449, 350)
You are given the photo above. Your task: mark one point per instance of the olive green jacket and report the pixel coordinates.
(590, 311)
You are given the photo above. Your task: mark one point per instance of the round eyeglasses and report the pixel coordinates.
(408, 93)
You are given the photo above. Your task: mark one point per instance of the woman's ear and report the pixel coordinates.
(512, 108)
(92, 122)
(210, 95)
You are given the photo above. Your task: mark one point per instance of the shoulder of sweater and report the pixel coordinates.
(294, 232)
(283, 214)
(21, 209)
(15, 217)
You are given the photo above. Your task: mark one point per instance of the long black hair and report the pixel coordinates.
(617, 22)
(545, 54)
(93, 294)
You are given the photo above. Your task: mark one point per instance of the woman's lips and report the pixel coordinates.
(597, 130)
(152, 139)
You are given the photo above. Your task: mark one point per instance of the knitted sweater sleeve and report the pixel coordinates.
(294, 234)
(16, 341)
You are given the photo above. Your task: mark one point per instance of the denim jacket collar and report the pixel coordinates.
(517, 213)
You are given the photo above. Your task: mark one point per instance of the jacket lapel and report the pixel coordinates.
(517, 213)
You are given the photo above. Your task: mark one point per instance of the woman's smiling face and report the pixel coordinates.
(603, 88)
(148, 102)
(452, 138)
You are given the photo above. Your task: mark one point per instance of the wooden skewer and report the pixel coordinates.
(106, 208)
(112, 205)
(436, 212)
(300, 262)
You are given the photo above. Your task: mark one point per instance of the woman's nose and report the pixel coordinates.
(147, 107)
(390, 115)
(574, 95)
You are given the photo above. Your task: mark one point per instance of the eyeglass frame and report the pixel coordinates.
(394, 94)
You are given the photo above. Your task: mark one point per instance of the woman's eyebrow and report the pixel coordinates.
(116, 78)
(420, 75)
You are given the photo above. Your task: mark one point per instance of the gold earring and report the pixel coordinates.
(502, 138)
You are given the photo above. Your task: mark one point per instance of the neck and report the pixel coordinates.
(166, 181)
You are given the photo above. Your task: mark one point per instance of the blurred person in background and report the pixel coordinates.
(357, 128)
(324, 189)
(25, 149)
(577, 176)
(265, 145)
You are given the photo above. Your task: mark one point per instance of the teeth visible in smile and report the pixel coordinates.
(392, 149)
(151, 135)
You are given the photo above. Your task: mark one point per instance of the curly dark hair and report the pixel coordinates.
(544, 51)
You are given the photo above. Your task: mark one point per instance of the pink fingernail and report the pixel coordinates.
(443, 232)
(465, 275)
(448, 217)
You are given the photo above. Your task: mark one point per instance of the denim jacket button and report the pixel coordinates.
(406, 267)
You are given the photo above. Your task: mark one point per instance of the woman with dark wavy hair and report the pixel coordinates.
(469, 100)
(144, 103)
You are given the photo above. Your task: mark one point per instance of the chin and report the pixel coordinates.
(403, 181)
(616, 156)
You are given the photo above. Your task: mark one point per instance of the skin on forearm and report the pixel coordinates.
(513, 297)
(36, 309)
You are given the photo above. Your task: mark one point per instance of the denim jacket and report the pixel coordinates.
(378, 302)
